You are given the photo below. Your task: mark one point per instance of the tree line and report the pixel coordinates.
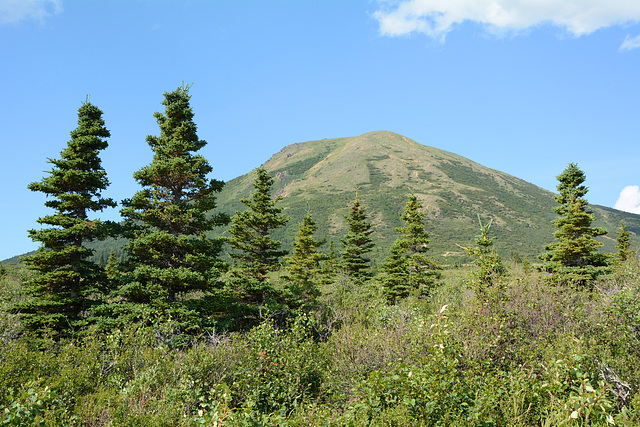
(172, 270)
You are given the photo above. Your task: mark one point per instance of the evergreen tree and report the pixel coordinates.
(623, 243)
(111, 269)
(408, 268)
(394, 277)
(304, 265)
(329, 265)
(356, 243)
(66, 283)
(256, 252)
(332, 256)
(169, 253)
(487, 279)
(573, 257)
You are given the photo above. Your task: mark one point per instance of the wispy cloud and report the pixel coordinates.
(629, 200)
(14, 11)
(436, 18)
(630, 43)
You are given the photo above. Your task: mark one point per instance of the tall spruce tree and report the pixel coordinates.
(66, 283)
(169, 253)
(573, 257)
(304, 265)
(357, 243)
(623, 243)
(408, 268)
(255, 252)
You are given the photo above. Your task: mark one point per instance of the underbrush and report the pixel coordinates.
(528, 354)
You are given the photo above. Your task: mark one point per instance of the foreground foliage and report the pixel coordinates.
(539, 355)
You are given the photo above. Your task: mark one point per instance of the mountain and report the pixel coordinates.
(322, 176)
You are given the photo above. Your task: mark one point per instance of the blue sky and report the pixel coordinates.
(525, 87)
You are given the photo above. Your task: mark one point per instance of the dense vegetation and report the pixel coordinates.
(538, 355)
(173, 335)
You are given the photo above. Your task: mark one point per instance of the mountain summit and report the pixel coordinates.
(385, 168)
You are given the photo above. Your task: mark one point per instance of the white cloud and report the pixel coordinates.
(630, 43)
(436, 18)
(14, 11)
(629, 200)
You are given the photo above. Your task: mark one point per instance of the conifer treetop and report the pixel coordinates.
(78, 178)
(175, 184)
(414, 237)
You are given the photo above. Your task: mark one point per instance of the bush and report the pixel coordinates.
(538, 355)
(280, 369)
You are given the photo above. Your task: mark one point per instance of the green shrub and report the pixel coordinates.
(28, 407)
(280, 370)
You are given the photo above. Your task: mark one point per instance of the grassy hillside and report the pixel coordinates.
(322, 176)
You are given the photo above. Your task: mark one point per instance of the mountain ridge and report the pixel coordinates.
(385, 168)
(322, 176)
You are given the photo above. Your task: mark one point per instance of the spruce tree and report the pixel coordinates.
(332, 256)
(408, 268)
(169, 253)
(66, 283)
(573, 257)
(304, 265)
(255, 252)
(623, 243)
(487, 279)
(357, 243)
(329, 265)
(111, 269)
(394, 276)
